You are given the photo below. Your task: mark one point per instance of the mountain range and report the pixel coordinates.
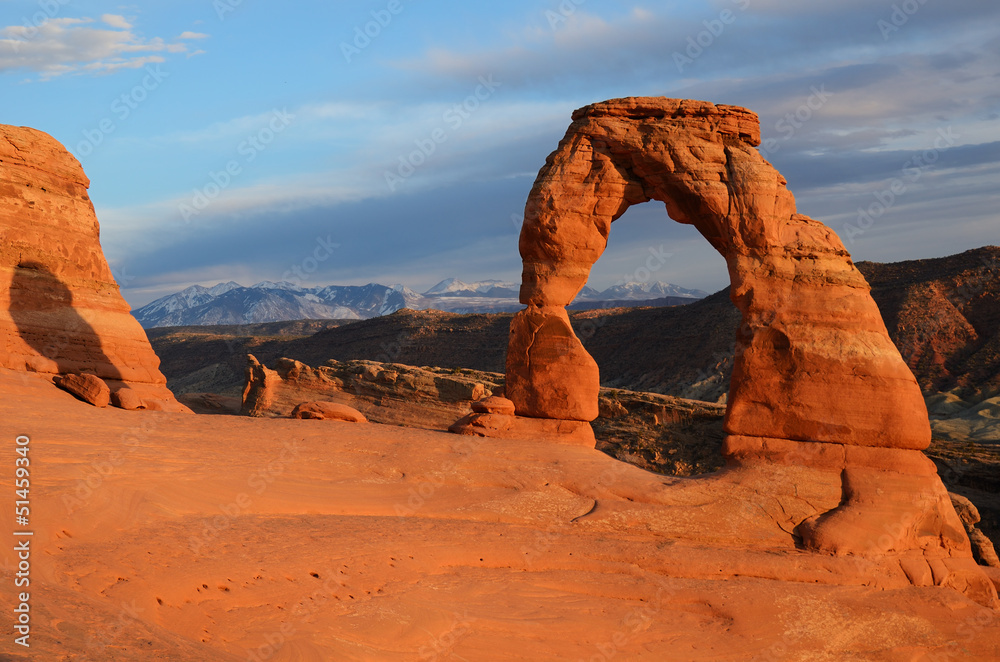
(232, 303)
(943, 314)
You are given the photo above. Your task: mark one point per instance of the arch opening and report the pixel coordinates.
(664, 266)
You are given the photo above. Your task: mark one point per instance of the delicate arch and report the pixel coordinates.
(813, 362)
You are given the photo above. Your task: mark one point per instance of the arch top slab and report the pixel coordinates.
(813, 362)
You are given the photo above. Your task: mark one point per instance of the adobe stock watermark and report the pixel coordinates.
(371, 30)
(697, 44)
(301, 272)
(426, 489)
(788, 125)
(440, 646)
(249, 149)
(635, 622)
(911, 173)
(517, 222)
(970, 630)
(29, 27)
(121, 275)
(453, 119)
(656, 260)
(391, 351)
(122, 108)
(99, 641)
(95, 475)
(566, 8)
(303, 612)
(223, 7)
(259, 481)
(900, 16)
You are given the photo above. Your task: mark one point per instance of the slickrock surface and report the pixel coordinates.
(60, 309)
(162, 536)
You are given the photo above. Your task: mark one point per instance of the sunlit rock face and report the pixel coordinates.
(60, 309)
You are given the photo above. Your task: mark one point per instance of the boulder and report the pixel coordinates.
(494, 405)
(328, 411)
(126, 398)
(89, 388)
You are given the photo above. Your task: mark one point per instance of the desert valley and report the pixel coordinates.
(803, 466)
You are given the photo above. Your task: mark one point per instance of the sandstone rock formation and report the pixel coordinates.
(60, 309)
(88, 388)
(816, 379)
(384, 392)
(982, 547)
(327, 411)
(810, 328)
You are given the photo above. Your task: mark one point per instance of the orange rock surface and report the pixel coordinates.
(162, 536)
(60, 309)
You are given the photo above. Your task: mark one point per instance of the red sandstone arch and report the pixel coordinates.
(814, 361)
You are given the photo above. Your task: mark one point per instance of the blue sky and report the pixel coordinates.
(229, 140)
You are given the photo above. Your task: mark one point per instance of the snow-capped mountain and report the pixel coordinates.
(452, 287)
(635, 291)
(192, 297)
(267, 301)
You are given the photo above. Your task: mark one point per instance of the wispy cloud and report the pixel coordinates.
(61, 46)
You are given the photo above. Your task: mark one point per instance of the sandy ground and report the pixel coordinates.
(179, 537)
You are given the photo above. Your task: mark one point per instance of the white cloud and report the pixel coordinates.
(116, 21)
(193, 35)
(60, 46)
